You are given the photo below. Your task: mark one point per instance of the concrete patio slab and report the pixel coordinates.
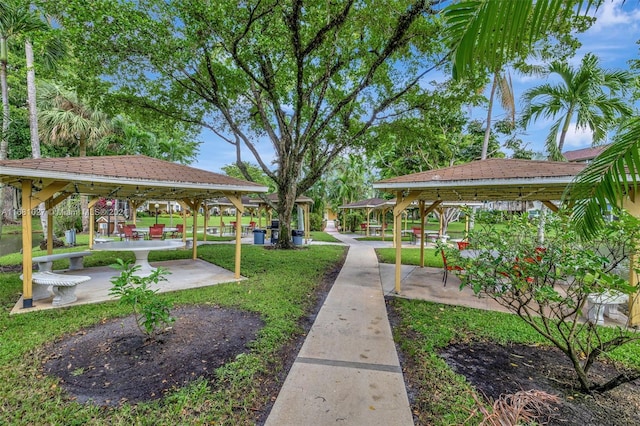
(184, 274)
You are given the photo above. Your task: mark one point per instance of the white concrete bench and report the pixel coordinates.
(64, 287)
(102, 240)
(605, 303)
(45, 263)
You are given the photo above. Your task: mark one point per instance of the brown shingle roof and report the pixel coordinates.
(495, 179)
(584, 154)
(131, 176)
(127, 167)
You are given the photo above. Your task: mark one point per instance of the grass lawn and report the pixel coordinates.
(280, 288)
(411, 256)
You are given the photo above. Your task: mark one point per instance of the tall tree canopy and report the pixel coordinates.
(308, 78)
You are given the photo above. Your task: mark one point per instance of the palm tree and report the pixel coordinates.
(476, 27)
(580, 94)
(504, 88)
(14, 21)
(66, 120)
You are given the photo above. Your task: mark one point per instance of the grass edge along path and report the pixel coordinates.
(281, 287)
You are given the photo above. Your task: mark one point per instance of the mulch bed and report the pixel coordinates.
(113, 362)
(497, 370)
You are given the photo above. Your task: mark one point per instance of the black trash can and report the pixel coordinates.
(297, 236)
(275, 230)
(258, 236)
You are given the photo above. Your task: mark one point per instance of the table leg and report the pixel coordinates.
(142, 260)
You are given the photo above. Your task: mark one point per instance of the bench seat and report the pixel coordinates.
(45, 263)
(64, 286)
(605, 303)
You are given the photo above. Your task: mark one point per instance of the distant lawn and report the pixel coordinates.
(323, 237)
(411, 256)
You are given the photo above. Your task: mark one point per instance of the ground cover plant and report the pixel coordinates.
(548, 284)
(282, 290)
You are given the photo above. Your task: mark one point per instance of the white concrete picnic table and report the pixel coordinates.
(140, 249)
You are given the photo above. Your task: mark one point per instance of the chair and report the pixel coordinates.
(448, 268)
(120, 231)
(463, 245)
(252, 226)
(179, 231)
(415, 235)
(156, 233)
(129, 233)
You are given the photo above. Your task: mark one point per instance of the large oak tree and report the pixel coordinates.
(305, 79)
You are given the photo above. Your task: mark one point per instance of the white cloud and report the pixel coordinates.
(577, 138)
(612, 15)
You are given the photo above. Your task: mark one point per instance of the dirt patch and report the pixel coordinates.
(112, 362)
(10, 268)
(495, 370)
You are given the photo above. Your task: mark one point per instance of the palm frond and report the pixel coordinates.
(606, 181)
(486, 34)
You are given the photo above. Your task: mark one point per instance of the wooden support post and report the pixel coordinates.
(237, 203)
(206, 221)
(48, 205)
(422, 215)
(92, 220)
(397, 218)
(27, 267)
(633, 207)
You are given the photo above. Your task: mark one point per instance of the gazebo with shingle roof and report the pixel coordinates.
(133, 177)
(370, 205)
(492, 179)
(498, 179)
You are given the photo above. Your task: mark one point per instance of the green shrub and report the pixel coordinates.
(151, 312)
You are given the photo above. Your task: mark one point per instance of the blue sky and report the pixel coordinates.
(612, 38)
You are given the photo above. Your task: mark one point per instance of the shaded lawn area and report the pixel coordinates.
(281, 288)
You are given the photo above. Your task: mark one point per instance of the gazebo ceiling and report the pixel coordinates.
(134, 177)
(492, 179)
(370, 203)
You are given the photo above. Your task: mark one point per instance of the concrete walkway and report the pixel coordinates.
(347, 371)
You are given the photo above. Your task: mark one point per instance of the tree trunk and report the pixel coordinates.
(487, 131)
(286, 201)
(4, 142)
(563, 133)
(33, 120)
